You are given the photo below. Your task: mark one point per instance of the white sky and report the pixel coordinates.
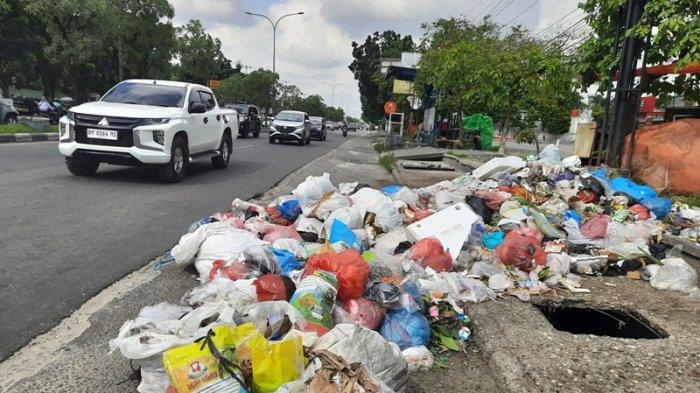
(315, 47)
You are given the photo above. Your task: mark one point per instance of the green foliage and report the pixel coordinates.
(379, 147)
(674, 26)
(350, 119)
(387, 161)
(334, 114)
(199, 55)
(16, 128)
(526, 136)
(374, 90)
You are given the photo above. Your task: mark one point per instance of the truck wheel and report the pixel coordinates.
(272, 140)
(80, 167)
(302, 141)
(174, 171)
(221, 161)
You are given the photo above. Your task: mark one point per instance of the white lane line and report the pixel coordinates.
(242, 147)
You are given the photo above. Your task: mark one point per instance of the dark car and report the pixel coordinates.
(26, 105)
(8, 114)
(318, 128)
(352, 127)
(248, 119)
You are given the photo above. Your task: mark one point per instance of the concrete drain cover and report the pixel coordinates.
(581, 319)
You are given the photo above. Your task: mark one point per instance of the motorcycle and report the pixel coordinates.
(345, 132)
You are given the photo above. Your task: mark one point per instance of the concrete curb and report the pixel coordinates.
(29, 137)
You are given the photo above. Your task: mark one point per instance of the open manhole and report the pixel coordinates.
(580, 319)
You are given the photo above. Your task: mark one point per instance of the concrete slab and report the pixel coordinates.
(427, 165)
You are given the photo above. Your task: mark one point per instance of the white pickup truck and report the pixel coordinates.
(148, 123)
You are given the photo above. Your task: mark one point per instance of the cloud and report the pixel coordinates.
(315, 47)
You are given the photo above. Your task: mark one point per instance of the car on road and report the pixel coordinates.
(317, 128)
(156, 123)
(352, 127)
(8, 114)
(291, 126)
(248, 119)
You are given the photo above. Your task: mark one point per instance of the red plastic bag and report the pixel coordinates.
(595, 227)
(492, 199)
(349, 267)
(428, 252)
(640, 211)
(364, 312)
(274, 287)
(522, 248)
(274, 232)
(234, 271)
(586, 196)
(420, 214)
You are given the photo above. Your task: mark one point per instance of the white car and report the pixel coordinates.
(291, 126)
(148, 123)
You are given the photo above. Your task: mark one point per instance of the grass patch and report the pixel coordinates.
(16, 128)
(458, 154)
(688, 200)
(387, 161)
(379, 147)
(51, 128)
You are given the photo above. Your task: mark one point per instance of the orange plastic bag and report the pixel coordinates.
(428, 252)
(640, 211)
(274, 287)
(349, 267)
(522, 248)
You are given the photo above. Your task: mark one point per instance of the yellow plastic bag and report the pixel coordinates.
(193, 368)
(274, 363)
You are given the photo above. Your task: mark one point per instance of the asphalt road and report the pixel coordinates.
(64, 238)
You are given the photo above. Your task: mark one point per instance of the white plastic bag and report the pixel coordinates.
(500, 282)
(457, 287)
(388, 218)
(351, 216)
(291, 245)
(311, 190)
(368, 200)
(407, 195)
(675, 274)
(330, 203)
(238, 293)
(347, 188)
(309, 224)
(418, 357)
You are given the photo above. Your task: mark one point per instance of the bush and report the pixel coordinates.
(387, 161)
(379, 147)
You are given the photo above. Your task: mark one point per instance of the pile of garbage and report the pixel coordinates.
(349, 288)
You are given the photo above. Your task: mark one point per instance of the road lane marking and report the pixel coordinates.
(242, 147)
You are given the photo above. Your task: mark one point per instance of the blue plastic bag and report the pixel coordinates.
(287, 261)
(390, 189)
(493, 239)
(406, 329)
(659, 206)
(289, 209)
(642, 194)
(412, 289)
(341, 233)
(572, 215)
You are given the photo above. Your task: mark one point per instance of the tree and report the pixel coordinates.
(334, 114)
(199, 55)
(476, 70)
(366, 69)
(254, 88)
(673, 27)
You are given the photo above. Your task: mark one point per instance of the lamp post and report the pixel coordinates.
(333, 86)
(274, 31)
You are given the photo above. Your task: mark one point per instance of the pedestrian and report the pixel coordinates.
(48, 110)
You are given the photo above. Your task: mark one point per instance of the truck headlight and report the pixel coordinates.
(273, 129)
(63, 129)
(70, 115)
(159, 137)
(150, 122)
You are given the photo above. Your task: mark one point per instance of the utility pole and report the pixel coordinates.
(333, 86)
(274, 31)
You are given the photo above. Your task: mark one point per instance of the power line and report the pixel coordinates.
(476, 18)
(521, 13)
(502, 9)
(472, 9)
(566, 30)
(490, 12)
(557, 21)
(585, 37)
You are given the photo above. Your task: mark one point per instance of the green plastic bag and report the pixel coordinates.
(484, 125)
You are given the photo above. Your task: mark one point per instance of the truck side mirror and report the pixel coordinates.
(197, 107)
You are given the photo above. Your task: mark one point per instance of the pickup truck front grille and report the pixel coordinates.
(123, 125)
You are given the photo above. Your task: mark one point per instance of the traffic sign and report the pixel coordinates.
(390, 107)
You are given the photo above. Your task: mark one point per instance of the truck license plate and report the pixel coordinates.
(96, 133)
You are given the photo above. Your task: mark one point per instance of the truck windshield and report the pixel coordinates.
(289, 116)
(147, 94)
(316, 121)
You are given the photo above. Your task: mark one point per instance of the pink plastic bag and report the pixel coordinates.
(595, 227)
(428, 252)
(274, 232)
(364, 312)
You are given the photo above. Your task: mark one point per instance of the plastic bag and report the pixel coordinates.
(572, 215)
(329, 204)
(428, 252)
(675, 274)
(311, 191)
(231, 270)
(479, 206)
(521, 248)
(387, 217)
(596, 227)
(347, 188)
(274, 363)
(288, 206)
(261, 260)
(545, 226)
(493, 239)
(274, 318)
(348, 266)
(368, 200)
(348, 215)
(406, 329)
(238, 293)
(274, 232)
(408, 196)
(291, 245)
(390, 189)
(357, 344)
(196, 368)
(315, 298)
(641, 212)
(342, 235)
(484, 269)
(364, 312)
(274, 287)
(418, 357)
(492, 199)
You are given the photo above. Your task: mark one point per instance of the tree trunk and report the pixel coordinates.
(504, 132)
(45, 84)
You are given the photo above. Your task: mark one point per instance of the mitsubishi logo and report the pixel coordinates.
(103, 122)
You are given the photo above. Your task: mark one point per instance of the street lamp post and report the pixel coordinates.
(274, 31)
(333, 86)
